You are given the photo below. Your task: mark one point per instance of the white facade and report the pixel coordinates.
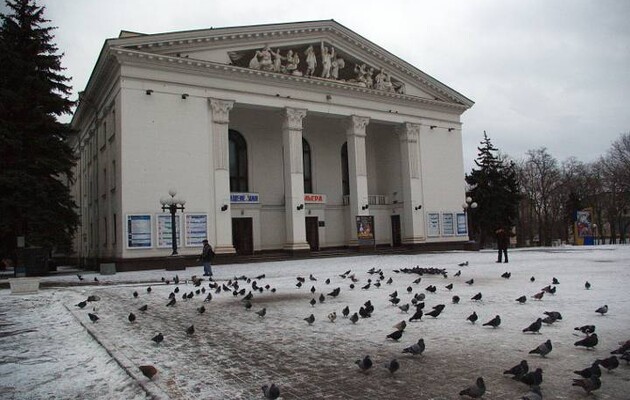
(156, 115)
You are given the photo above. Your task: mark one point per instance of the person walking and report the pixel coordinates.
(503, 241)
(207, 254)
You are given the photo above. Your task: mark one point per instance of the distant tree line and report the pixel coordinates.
(545, 194)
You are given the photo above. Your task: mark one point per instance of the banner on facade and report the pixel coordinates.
(139, 231)
(462, 224)
(196, 229)
(315, 198)
(365, 230)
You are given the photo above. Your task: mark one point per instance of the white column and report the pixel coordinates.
(294, 180)
(220, 191)
(357, 171)
(413, 213)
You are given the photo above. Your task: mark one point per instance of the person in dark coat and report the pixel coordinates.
(503, 242)
(207, 254)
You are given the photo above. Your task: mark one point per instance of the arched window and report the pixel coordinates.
(345, 177)
(306, 160)
(238, 162)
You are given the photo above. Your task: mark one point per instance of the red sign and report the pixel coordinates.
(315, 198)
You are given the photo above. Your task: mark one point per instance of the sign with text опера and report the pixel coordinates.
(314, 198)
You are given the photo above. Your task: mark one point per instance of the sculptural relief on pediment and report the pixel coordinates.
(321, 61)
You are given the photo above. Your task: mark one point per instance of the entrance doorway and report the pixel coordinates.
(242, 236)
(312, 232)
(396, 234)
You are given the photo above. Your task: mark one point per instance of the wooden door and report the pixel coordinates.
(396, 234)
(242, 236)
(312, 232)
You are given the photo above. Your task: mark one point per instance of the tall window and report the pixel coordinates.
(238, 162)
(345, 177)
(306, 159)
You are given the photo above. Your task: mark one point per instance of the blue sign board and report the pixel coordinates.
(244, 198)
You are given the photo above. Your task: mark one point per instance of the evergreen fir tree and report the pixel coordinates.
(35, 159)
(494, 187)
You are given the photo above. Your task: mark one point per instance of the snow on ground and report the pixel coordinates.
(48, 347)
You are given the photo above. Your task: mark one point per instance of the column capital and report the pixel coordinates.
(293, 118)
(356, 125)
(408, 132)
(221, 110)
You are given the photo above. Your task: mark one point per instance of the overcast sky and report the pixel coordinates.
(541, 72)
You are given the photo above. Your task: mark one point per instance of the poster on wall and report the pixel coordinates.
(164, 234)
(365, 230)
(448, 228)
(584, 225)
(462, 225)
(196, 229)
(433, 222)
(139, 231)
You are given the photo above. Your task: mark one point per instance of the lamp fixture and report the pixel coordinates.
(451, 129)
(224, 207)
(365, 207)
(184, 96)
(300, 207)
(418, 207)
(433, 127)
(149, 91)
(328, 97)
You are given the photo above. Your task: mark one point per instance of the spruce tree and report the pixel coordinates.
(35, 159)
(494, 187)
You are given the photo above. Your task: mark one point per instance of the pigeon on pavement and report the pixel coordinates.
(416, 348)
(543, 349)
(494, 322)
(475, 391)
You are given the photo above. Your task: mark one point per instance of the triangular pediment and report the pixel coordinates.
(322, 50)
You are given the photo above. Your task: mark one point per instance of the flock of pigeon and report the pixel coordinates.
(246, 289)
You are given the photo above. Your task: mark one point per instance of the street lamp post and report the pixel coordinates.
(469, 204)
(172, 204)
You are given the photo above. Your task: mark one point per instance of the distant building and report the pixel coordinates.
(278, 136)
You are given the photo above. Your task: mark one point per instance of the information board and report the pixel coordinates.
(164, 234)
(139, 231)
(433, 224)
(196, 229)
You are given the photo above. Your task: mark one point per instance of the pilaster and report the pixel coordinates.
(413, 212)
(357, 171)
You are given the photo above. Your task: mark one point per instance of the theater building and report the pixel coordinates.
(296, 137)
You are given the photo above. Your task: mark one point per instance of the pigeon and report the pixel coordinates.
(312, 289)
(533, 378)
(143, 308)
(392, 366)
(80, 277)
(609, 363)
(622, 349)
(335, 292)
(455, 299)
(416, 282)
(298, 285)
(261, 313)
(555, 281)
(458, 273)
(394, 300)
(506, 275)
(177, 290)
(328, 281)
(463, 264)
(401, 325)
(366, 287)
(149, 289)
(449, 286)
(248, 305)
(534, 394)
(522, 299)
(135, 295)
(208, 298)
(313, 302)
(82, 304)
(93, 317)
(470, 281)
(587, 285)
(190, 330)
(332, 316)
(364, 364)
(602, 310)
(389, 281)
(148, 370)
(345, 311)
(131, 317)
(354, 318)
(431, 289)
(434, 313)
(543, 349)
(532, 279)
(395, 336)
(171, 303)
(472, 317)
(518, 370)
(593, 370)
(554, 314)
(476, 297)
(158, 338)
(539, 296)
(475, 391)
(310, 319)
(312, 278)
(549, 320)
(416, 348)
(534, 327)
(404, 308)
(494, 322)
(626, 357)
(201, 310)
(95, 279)
(417, 315)
(271, 392)
(589, 341)
(588, 384)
